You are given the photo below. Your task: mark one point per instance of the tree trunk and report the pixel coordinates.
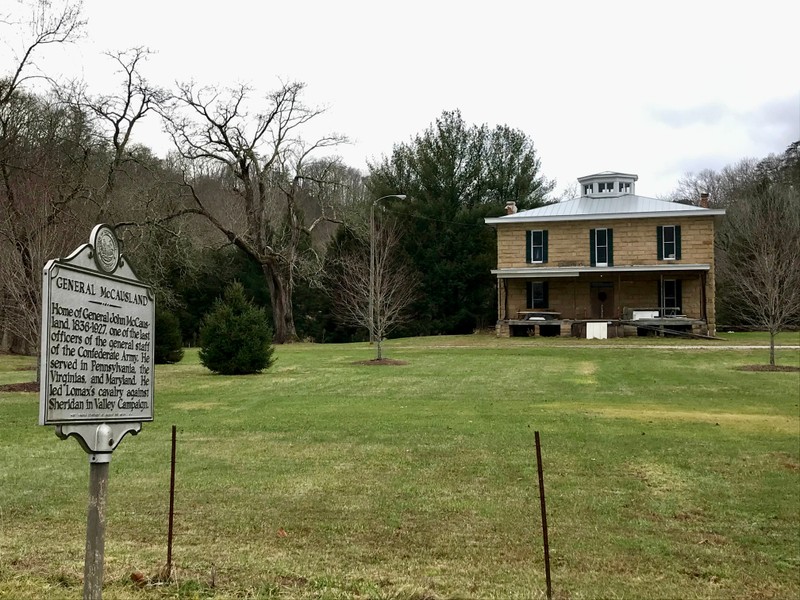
(772, 348)
(280, 295)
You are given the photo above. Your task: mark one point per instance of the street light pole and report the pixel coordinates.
(372, 262)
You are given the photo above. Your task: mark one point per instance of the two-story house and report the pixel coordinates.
(608, 256)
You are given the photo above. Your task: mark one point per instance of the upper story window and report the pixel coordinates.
(536, 246)
(588, 189)
(668, 239)
(624, 187)
(605, 187)
(601, 247)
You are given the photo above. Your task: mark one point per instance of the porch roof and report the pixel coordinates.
(534, 272)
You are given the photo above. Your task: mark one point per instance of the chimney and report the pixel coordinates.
(511, 207)
(704, 200)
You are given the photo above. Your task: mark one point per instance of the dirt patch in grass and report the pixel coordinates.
(291, 581)
(749, 421)
(659, 478)
(30, 386)
(769, 368)
(381, 362)
(197, 405)
(787, 461)
(691, 515)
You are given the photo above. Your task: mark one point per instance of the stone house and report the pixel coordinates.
(608, 263)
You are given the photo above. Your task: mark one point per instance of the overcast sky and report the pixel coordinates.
(656, 89)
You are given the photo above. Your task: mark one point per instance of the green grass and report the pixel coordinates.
(669, 474)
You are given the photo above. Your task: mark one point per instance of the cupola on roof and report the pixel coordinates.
(607, 184)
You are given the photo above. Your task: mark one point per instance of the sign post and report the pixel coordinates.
(96, 367)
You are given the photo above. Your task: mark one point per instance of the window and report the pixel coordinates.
(536, 246)
(625, 187)
(537, 294)
(605, 187)
(601, 247)
(588, 189)
(668, 238)
(669, 296)
(669, 242)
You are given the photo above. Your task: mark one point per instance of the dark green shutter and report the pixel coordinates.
(610, 242)
(678, 242)
(660, 241)
(679, 295)
(544, 245)
(592, 257)
(529, 292)
(545, 295)
(659, 295)
(528, 246)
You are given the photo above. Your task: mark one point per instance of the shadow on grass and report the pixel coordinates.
(381, 362)
(30, 386)
(772, 368)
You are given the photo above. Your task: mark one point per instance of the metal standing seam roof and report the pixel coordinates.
(614, 207)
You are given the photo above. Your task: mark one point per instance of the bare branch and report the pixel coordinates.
(373, 291)
(46, 27)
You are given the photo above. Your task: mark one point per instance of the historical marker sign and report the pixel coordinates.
(97, 338)
(96, 367)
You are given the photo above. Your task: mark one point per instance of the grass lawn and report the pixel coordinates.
(669, 473)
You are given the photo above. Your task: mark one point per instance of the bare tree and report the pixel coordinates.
(570, 192)
(38, 173)
(115, 117)
(759, 257)
(45, 24)
(388, 281)
(61, 157)
(721, 186)
(270, 174)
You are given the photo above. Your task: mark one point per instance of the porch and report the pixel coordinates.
(600, 329)
(604, 303)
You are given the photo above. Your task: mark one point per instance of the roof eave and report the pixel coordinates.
(710, 212)
(533, 272)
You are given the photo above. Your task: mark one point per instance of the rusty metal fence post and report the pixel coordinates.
(544, 516)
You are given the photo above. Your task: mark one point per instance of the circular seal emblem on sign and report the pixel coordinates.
(106, 248)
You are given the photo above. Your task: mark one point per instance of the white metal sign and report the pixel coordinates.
(97, 338)
(96, 379)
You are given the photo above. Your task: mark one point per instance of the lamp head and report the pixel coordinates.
(398, 196)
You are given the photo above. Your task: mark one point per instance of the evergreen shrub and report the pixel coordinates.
(168, 346)
(236, 338)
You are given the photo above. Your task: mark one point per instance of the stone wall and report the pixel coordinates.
(634, 241)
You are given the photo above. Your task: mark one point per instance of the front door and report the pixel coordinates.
(601, 300)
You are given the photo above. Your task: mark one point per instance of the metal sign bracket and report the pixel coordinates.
(98, 439)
